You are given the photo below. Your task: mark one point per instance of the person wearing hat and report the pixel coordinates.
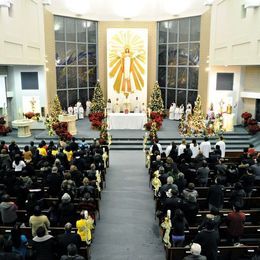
(66, 210)
(195, 251)
(63, 240)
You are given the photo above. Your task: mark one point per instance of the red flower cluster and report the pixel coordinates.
(61, 130)
(246, 116)
(155, 117)
(4, 129)
(96, 119)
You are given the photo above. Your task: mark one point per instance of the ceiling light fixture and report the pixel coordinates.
(79, 7)
(127, 9)
(175, 7)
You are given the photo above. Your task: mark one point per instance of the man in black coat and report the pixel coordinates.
(208, 239)
(67, 238)
(216, 195)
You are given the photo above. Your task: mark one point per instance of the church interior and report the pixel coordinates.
(129, 129)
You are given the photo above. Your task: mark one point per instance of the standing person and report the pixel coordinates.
(67, 238)
(222, 146)
(44, 245)
(88, 106)
(136, 105)
(205, 147)
(38, 220)
(235, 224)
(72, 253)
(256, 168)
(248, 181)
(85, 225)
(179, 224)
(181, 147)
(203, 174)
(194, 148)
(216, 195)
(195, 251)
(171, 111)
(8, 210)
(208, 238)
(19, 242)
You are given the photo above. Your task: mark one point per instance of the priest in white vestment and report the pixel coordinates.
(177, 113)
(76, 112)
(88, 105)
(222, 146)
(109, 106)
(117, 106)
(136, 106)
(205, 147)
(81, 112)
(143, 108)
(171, 111)
(70, 110)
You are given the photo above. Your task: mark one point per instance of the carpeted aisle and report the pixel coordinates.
(127, 229)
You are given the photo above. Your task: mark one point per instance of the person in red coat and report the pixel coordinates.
(235, 225)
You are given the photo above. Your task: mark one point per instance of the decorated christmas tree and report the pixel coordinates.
(55, 109)
(98, 102)
(156, 102)
(198, 118)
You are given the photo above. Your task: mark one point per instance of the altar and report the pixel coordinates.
(126, 121)
(71, 120)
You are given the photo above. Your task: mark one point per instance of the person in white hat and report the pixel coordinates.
(195, 250)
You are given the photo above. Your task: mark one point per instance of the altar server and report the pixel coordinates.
(136, 106)
(143, 108)
(109, 106)
(177, 113)
(76, 112)
(81, 112)
(117, 106)
(171, 111)
(88, 105)
(70, 110)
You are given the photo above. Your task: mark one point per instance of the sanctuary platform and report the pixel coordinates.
(133, 139)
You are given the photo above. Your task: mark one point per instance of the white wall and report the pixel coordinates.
(22, 33)
(234, 40)
(14, 85)
(232, 97)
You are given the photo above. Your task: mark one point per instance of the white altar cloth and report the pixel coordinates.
(126, 121)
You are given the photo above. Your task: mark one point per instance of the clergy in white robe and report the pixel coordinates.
(143, 108)
(76, 112)
(81, 112)
(222, 146)
(177, 113)
(205, 147)
(171, 111)
(109, 106)
(70, 110)
(117, 106)
(88, 105)
(136, 106)
(181, 112)
(78, 104)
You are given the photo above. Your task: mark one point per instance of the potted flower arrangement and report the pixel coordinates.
(32, 115)
(4, 129)
(96, 120)
(61, 130)
(156, 118)
(246, 116)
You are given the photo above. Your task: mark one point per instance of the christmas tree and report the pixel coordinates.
(198, 118)
(55, 109)
(98, 102)
(156, 102)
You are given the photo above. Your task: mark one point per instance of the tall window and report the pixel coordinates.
(76, 59)
(178, 60)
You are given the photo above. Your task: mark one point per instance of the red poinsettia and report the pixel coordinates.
(61, 129)
(253, 129)
(246, 115)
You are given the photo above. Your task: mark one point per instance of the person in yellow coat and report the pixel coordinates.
(85, 226)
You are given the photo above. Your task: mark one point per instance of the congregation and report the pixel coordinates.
(202, 197)
(50, 198)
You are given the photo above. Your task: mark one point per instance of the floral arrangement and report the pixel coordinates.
(61, 130)
(32, 115)
(103, 135)
(246, 116)
(153, 132)
(4, 129)
(155, 117)
(96, 120)
(250, 123)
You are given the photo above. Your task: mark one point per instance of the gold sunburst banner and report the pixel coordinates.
(127, 63)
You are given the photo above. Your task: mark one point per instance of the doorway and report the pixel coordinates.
(257, 110)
